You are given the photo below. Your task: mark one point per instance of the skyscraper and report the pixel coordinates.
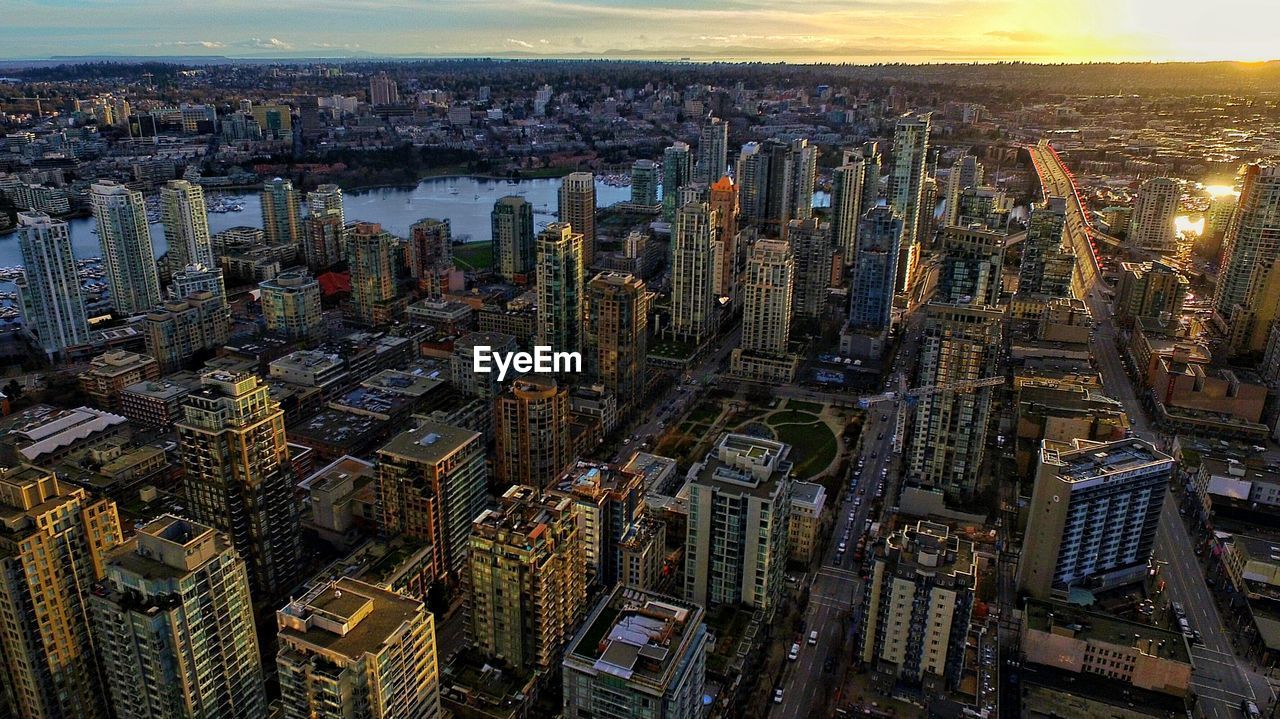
(351, 650)
(617, 335)
(906, 184)
(429, 255)
(578, 210)
(526, 584)
(383, 90)
(174, 626)
(325, 198)
(531, 432)
(693, 270)
(513, 238)
(872, 161)
(323, 239)
(972, 265)
(1252, 242)
(561, 268)
(194, 279)
(766, 184)
(729, 247)
(965, 173)
(875, 270)
(610, 502)
(281, 213)
(431, 485)
(373, 273)
(1151, 225)
(644, 183)
(125, 238)
(291, 306)
(713, 151)
(736, 540)
(803, 160)
(186, 225)
(53, 545)
(1094, 512)
(846, 208)
(1046, 265)
(677, 169)
(768, 288)
(238, 478)
(1150, 289)
(812, 251)
(53, 310)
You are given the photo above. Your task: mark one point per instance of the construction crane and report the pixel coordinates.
(865, 402)
(39, 110)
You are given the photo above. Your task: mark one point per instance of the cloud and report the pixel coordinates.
(207, 44)
(518, 43)
(271, 43)
(1019, 35)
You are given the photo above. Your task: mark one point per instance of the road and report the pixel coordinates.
(1221, 679)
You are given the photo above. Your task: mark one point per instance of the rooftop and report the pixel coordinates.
(742, 464)
(637, 636)
(1076, 621)
(430, 442)
(1097, 460)
(346, 618)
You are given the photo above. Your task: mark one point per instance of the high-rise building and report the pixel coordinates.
(972, 265)
(1252, 242)
(872, 161)
(173, 624)
(1151, 226)
(373, 273)
(693, 269)
(578, 210)
(526, 584)
(291, 306)
(351, 650)
(431, 485)
(238, 477)
(803, 159)
(917, 608)
(727, 245)
(531, 432)
(1150, 289)
(1047, 265)
(429, 255)
(383, 90)
(194, 279)
(326, 198)
(713, 151)
(875, 270)
(846, 208)
(813, 254)
(906, 185)
(766, 184)
(767, 288)
(986, 206)
(53, 545)
(617, 335)
(649, 661)
(644, 183)
(125, 238)
(677, 169)
(1095, 508)
(186, 224)
(736, 540)
(462, 372)
(324, 242)
(513, 238)
(561, 268)
(177, 330)
(281, 213)
(949, 437)
(965, 173)
(610, 500)
(53, 310)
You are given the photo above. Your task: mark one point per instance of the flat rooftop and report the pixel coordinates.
(1045, 616)
(1092, 460)
(429, 442)
(637, 636)
(347, 617)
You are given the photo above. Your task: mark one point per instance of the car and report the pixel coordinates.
(1178, 610)
(1249, 709)
(884, 417)
(880, 436)
(841, 547)
(813, 637)
(794, 653)
(777, 695)
(1196, 638)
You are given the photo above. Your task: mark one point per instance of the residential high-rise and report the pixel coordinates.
(194, 279)
(736, 541)
(429, 255)
(803, 160)
(906, 184)
(513, 238)
(617, 335)
(649, 660)
(526, 583)
(53, 310)
(431, 485)
(173, 624)
(324, 243)
(1252, 242)
(186, 224)
(462, 372)
(610, 500)
(175, 331)
(1150, 289)
(713, 151)
(846, 208)
(644, 183)
(561, 268)
(383, 90)
(1094, 512)
(578, 210)
(326, 198)
(125, 238)
(965, 173)
(291, 306)
(767, 288)
(281, 213)
(728, 244)
(373, 273)
(812, 252)
(677, 169)
(917, 608)
(875, 270)
(693, 269)
(986, 206)
(872, 161)
(351, 650)
(972, 265)
(1151, 225)
(1047, 266)
(531, 432)
(53, 544)
(949, 436)
(238, 477)
(766, 184)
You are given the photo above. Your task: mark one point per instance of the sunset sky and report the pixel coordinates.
(793, 30)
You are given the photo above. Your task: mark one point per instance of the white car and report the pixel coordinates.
(794, 653)
(777, 696)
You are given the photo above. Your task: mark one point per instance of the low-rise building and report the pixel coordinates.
(45, 435)
(156, 403)
(111, 372)
(807, 502)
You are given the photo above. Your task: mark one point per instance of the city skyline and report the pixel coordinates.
(916, 31)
